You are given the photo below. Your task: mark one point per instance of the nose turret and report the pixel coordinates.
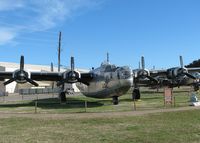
(125, 72)
(126, 76)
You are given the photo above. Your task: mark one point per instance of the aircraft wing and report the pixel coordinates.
(191, 70)
(5, 75)
(39, 76)
(85, 78)
(155, 73)
(22, 76)
(46, 76)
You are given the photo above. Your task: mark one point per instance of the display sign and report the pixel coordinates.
(168, 96)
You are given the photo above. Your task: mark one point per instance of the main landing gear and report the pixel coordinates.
(196, 87)
(62, 97)
(136, 94)
(115, 100)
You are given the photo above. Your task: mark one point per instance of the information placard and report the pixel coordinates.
(168, 96)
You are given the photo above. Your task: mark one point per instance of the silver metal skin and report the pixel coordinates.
(109, 81)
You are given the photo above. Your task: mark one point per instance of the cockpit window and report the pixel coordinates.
(110, 68)
(124, 72)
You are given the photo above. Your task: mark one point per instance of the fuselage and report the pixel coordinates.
(108, 81)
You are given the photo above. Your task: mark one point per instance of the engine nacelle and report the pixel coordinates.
(21, 76)
(175, 72)
(143, 73)
(71, 76)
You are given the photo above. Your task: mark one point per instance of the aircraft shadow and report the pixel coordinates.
(151, 92)
(54, 103)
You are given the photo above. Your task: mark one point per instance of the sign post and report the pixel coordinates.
(168, 96)
(85, 105)
(36, 107)
(134, 104)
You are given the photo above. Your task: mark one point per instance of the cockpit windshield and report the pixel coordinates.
(125, 72)
(108, 68)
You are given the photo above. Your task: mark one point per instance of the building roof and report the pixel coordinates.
(30, 67)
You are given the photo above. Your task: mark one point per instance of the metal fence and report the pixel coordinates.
(38, 91)
(50, 103)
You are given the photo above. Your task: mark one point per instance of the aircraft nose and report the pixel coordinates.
(129, 81)
(127, 72)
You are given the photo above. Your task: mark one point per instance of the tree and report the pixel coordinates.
(195, 63)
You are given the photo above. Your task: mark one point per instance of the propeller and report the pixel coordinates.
(183, 70)
(20, 75)
(144, 72)
(71, 76)
(181, 61)
(143, 62)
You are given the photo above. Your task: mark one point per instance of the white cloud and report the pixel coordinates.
(6, 35)
(7, 5)
(37, 15)
(51, 12)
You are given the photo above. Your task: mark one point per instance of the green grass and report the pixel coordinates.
(149, 100)
(170, 127)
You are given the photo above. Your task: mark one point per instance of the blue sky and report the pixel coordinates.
(161, 30)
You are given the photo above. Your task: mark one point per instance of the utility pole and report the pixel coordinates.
(59, 50)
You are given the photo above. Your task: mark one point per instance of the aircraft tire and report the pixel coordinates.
(196, 87)
(115, 100)
(62, 97)
(136, 94)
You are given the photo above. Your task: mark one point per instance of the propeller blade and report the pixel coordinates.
(181, 61)
(31, 81)
(143, 62)
(52, 67)
(107, 57)
(9, 81)
(72, 64)
(190, 76)
(22, 63)
(152, 79)
(59, 83)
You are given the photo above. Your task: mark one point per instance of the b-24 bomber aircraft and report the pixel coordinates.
(107, 81)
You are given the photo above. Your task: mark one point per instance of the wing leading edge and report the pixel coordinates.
(22, 76)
